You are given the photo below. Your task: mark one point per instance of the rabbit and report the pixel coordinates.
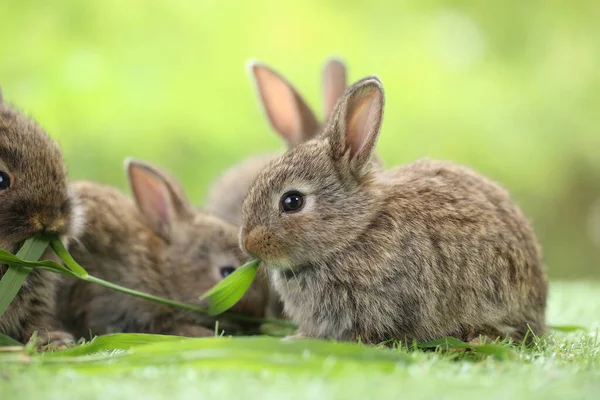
(156, 243)
(423, 251)
(34, 199)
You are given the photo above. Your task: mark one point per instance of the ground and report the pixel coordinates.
(564, 365)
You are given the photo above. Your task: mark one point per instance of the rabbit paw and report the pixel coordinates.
(53, 340)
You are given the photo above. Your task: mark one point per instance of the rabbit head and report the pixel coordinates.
(200, 249)
(316, 199)
(34, 195)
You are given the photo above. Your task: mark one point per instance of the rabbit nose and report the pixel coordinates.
(55, 227)
(252, 240)
(50, 226)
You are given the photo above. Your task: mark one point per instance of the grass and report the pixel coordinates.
(563, 365)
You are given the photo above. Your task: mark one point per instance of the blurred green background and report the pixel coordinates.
(510, 88)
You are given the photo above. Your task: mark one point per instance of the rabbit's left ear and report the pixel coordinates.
(1, 97)
(356, 123)
(158, 196)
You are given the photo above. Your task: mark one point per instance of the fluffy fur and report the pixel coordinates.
(37, 201)
(156, 243)
(426, 250)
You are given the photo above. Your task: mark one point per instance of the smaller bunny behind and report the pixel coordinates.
(34, 199)
(423, 251)
(159, 244)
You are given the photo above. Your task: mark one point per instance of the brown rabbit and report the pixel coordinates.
(34, 199)
(159, 244)
(427, 250)
(290, 117)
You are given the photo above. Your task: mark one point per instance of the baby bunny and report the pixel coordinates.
(427, 250)
(289, 116)
(34, 199)
(159, 244)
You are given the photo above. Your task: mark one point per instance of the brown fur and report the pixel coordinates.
(37, 201)
(157, 244)
(426, 250)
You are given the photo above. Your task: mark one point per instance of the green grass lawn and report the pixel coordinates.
(562, 366)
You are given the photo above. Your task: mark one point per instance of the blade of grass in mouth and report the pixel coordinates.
(14, 277)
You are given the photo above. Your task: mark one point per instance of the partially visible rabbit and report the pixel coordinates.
(423, 251)
(156, 243)
(34, 199)
(289, 116)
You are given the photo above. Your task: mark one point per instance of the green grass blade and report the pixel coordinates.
(137, 293)
(567, 328)
(243, 353)
(61, 251)
(230, 290)
(496, 350)
(13, 279)
(8, 341)
(116, 341)
(49, 265)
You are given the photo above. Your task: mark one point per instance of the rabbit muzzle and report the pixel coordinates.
(259, 242)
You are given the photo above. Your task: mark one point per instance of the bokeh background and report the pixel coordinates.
(511, 88)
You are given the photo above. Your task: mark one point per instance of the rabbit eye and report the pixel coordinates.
(4, 180)
(292, 201)
(226, 271)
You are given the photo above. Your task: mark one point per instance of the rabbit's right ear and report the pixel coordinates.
(158, 196)
(1, 97)
(334, 84)
(288, 113)
(356, 123)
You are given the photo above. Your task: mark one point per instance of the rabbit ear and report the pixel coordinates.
(288, 113)
(1, 97)
(158, 196)
(334, 84)
(357, 122)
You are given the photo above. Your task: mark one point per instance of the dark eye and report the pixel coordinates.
(226, 271)
(4, 180)
(292, 201)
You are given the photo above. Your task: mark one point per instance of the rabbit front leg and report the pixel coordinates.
(41, 310)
